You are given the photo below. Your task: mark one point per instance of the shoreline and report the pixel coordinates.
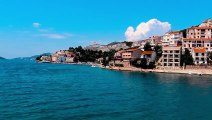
(176, 71)
(204, 71)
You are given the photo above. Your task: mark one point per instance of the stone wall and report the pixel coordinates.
(198, 67)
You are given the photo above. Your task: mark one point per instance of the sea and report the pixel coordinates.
(36, 91)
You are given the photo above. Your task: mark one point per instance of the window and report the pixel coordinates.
(176, 60)
(197, 54)
(202, 59)
(203, 54)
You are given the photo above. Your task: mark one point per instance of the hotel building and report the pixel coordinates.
(171, 57)
(199, 41)
(199, 55)
(172, 38)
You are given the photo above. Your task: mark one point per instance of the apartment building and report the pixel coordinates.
(131, 54)
(171, 57)
(199, 36)
(118, 55)
(156, 40)
(172, 38)
(199, 55)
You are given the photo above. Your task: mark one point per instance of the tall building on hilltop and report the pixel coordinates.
(172, 38)
(199, 38)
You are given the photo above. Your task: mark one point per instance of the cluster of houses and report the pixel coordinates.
(197, 39)
(112, 46)
(62, 56)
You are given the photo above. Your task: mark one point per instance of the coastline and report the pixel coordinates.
(204, 71)
(178, 71)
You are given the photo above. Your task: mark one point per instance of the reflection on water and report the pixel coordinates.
(201, 81)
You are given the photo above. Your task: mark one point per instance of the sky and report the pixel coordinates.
(32, 27)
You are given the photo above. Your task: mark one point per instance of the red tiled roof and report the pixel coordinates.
(199, 50)
(132, 49)
(121, 51)
(175, 32)
(207, 27)
(147, 52)
(197, 38)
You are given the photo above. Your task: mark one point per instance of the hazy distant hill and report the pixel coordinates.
(32, 57)
(1, 58)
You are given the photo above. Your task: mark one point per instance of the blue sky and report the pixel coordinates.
(31, 27)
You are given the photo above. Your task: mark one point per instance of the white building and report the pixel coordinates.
(172, 38)
(149, 55)
(199, 55)
(199, 36)
(171, 57)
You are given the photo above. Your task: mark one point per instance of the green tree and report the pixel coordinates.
(140, 62)
(210, 55)
(159, 51)
(187, 58)
(71, 49)
(143, 63)
(209, 59)
(147, 47)
(129, 44)
(38, 58)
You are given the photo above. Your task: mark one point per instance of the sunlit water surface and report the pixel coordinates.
(34, 91)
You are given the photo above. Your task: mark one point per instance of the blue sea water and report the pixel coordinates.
(33, 91)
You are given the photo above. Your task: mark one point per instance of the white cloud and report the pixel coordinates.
(49, 33)
(55, 35)
(147, 29)
(43, 30)
(36, 25)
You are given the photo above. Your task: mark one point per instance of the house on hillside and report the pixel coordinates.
(199, 36)
(199, 55)
(63, 56)
(173, 38)
(150, 56)
(131, 54)
(126, 56)
(69, 57)
(45, 58)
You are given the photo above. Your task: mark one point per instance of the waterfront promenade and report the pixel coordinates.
(201, 71)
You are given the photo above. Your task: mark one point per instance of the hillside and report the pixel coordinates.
(2, 58)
